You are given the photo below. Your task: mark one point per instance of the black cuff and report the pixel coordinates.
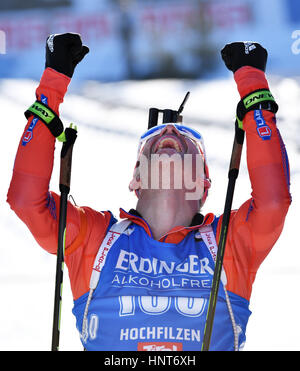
(47, 116)
(258, 99)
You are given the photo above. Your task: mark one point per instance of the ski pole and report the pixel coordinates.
(232, 176)
(64, 187)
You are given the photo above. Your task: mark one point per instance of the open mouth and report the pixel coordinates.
(169, 142)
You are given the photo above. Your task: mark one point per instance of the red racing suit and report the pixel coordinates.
(254, 227)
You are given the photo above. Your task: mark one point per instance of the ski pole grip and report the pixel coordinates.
(236, 152)
(66, 160)
(239, 134)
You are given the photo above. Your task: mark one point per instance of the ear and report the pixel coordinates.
(207, 183)
(135, 183)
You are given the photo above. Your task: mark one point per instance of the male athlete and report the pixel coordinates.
(143, 283)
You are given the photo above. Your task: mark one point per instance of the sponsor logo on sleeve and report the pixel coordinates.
(262, 128)
(29, 132)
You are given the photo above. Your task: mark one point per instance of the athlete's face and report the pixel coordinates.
(175, 161)
(170, 141)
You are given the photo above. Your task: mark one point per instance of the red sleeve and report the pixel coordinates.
(257, 224)
(29, 195)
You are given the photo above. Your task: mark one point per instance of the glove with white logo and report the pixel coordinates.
(240, 54)
(252, 84)
(64, 52)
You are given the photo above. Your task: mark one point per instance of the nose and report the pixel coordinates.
(170, 129)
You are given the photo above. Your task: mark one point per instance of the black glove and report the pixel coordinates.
(64, 52)
(240, 54)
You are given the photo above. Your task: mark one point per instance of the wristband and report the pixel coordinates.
(48, 117)
(258, 99)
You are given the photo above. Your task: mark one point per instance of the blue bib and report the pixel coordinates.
(154, 296)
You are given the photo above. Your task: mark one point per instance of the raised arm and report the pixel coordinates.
(257, 224)
(29, 194)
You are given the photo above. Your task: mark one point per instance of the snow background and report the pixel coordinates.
(110, 117)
